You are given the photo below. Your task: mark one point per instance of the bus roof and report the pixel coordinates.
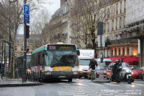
(40, 49)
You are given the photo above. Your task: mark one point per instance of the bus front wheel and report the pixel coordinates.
(70, 80)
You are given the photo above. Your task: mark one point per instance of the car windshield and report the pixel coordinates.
(84, 62)
(106, 63)
(125, 65)
(61, 58)
(135, 68)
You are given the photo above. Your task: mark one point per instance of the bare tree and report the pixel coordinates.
(37, 21)
(88, 14)
(10, 18)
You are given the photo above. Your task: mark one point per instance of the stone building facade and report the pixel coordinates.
(58, 27)
(19, 47)
(135, 24)
(65, 26)
(115, 45)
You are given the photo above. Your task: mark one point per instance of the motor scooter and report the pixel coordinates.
(125, 74)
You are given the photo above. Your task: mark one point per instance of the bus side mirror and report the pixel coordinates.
(45, 53)
(78, 52)
(27, 50)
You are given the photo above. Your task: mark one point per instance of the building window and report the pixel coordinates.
(120, 7)
(115, 52)
(127, 50)
(116, 8)
(113, 25)
(124, 6)
(21, 48)
(15, 48)
(118, 23)
(119, 51)
(123, 51)
(112, 52)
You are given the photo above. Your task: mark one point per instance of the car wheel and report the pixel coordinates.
(142, 77)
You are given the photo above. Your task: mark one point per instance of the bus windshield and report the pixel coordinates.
(62, 58)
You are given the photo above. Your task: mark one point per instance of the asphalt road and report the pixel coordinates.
(79, 87)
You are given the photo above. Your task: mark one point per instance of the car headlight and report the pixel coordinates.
(128, 71)
(29, 71)
(88, 71)
(132, 73)
(80, 69)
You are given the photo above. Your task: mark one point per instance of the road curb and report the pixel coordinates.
(20, 85)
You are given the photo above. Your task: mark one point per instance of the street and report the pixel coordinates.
(79, 87)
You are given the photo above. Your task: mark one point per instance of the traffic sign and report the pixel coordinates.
(26, 9)
(26, 13)
(26, 18)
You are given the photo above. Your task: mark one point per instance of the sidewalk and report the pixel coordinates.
(17, 83)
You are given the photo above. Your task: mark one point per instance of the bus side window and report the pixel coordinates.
(41, 58)
(32, 61)
(35, 60)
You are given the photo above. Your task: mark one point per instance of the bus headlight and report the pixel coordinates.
(48, 73)
(29, 71)
(80, 69)
(75, 73)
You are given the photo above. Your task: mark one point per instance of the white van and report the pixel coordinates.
(84, 60)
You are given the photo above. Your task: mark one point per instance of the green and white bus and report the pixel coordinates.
(58, 61)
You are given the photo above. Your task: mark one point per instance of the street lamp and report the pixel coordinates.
(25, 44)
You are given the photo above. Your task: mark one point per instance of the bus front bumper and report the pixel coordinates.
(62, 74)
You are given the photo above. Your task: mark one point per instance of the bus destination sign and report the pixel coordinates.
(61, 47)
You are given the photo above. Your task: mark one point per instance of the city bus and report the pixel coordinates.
(54, 61)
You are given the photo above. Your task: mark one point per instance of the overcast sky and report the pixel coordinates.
(46, 10)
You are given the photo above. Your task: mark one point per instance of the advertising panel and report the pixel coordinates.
(86, 54)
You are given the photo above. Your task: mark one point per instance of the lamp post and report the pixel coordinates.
(25, 44)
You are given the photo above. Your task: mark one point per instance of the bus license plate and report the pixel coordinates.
(62, 76)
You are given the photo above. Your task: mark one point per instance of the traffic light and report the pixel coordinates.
(27, 31)
(100, 28)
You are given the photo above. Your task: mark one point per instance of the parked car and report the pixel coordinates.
(137, 72)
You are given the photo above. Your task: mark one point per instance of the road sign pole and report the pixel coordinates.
(25, 44)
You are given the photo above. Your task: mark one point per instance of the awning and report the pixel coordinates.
(132, 60)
